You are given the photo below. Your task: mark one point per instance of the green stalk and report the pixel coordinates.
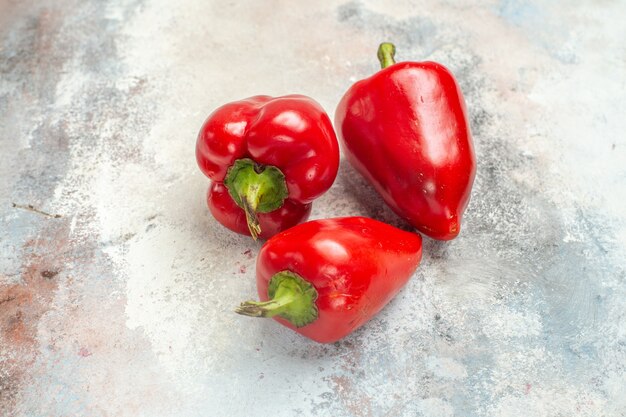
(256, 189)
(386, 53)
(290, 297)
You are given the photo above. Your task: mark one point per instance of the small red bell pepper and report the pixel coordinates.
(268, 159)
(405, 129)
(325, 278)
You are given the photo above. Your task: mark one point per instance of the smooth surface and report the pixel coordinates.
(124, 305)
(406, 130)
(291, 137)
(291, 133)
(356, 265)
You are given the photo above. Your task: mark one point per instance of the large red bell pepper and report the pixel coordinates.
(405, 129)
(268, 159)
(325, 278)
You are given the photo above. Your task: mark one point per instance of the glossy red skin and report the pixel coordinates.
(356, 264)
(405, 129)
(292, 133)
(229, 214)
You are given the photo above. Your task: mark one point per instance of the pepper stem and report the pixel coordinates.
(290, 297)
(256, 189)
(386, 53)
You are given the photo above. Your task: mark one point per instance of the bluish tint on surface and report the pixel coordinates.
(123, 305)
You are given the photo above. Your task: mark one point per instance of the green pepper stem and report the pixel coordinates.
(269, 308)
(256, 189)
(249, 207)
(290, 297)
(386, 53)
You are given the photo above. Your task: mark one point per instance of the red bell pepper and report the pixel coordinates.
(325, 278)
(268, 159)
(405, 129)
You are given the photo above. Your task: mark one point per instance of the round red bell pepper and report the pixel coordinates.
(405, 129)
(271, 157)
(325, 278)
